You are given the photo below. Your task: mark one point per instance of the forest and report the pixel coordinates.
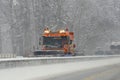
(96, 23)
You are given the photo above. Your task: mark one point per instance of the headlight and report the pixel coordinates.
(46, 31)
(62, 31)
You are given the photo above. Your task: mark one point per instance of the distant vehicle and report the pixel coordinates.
(115, 47)
(58, 43)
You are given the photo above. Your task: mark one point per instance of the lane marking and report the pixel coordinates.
(102, 74)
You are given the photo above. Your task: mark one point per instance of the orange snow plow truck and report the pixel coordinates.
(59, 43)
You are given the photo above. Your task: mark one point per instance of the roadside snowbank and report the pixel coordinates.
(46, 71)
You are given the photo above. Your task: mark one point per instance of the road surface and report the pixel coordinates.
(80, 71)
(111, 72)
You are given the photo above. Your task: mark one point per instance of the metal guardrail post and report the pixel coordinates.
(7, 55)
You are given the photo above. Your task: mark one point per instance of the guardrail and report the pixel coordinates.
(20, 62)
(7, 55)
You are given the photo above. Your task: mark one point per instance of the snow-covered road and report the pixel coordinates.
(47, 71)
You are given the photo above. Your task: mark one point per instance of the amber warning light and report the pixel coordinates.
(62, 31)
(47, 31)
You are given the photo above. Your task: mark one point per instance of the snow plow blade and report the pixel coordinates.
(48, 53)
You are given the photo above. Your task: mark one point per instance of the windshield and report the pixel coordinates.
(54, 42)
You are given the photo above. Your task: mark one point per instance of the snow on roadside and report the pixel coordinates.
(46, 71)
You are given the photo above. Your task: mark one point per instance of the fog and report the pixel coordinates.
(96, 23)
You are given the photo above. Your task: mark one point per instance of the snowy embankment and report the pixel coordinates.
(45, 71)
(20, 62)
